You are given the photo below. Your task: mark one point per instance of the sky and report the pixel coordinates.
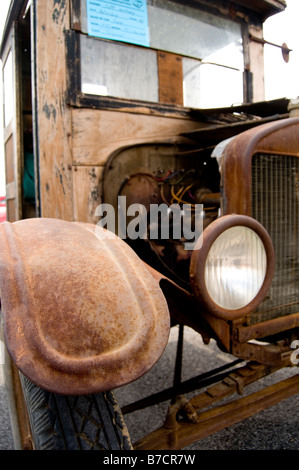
(281, 79)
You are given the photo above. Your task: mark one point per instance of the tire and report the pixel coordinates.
(89, 422)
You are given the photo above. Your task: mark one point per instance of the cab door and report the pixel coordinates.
(11, 134)
(17, 119)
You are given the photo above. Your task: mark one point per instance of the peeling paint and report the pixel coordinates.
(49, 111)
(59, 11)
(95, 195)
(59, 175)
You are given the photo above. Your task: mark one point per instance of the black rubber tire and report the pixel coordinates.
(58, 422)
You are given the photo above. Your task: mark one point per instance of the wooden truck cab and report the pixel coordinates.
(72, 98)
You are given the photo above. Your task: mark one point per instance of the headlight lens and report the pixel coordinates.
(235, 268)
(232, 269)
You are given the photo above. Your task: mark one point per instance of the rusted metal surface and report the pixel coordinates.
(269, 194)
(196, 422)
(270, 327)
(182, 305)
(284, 48)
(277, 355)
(198, 259)
(280, 137)
(81, 314)
(141, 189)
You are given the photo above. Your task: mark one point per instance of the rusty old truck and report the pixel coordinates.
(158, 108)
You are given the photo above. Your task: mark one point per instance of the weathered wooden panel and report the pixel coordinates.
(52, 18)
(9, 160)
(11, 210)
(79, 15)
(96, 134)
(256, 52)
(87, 181)
(265, 7)
(170, 78)
(10, 189)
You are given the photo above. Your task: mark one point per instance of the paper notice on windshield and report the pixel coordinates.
(119, 20)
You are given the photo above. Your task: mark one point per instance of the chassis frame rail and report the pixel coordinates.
(186, 422)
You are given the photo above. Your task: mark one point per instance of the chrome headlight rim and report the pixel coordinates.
(199, 259)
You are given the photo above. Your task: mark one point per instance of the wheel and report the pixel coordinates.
(58, 422)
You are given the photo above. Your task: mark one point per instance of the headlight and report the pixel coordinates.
(232, 270)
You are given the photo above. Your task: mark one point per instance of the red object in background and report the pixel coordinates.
(2, 209)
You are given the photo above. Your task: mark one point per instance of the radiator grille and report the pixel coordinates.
(275, 203)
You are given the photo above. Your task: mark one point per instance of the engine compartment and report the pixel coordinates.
(170, 174)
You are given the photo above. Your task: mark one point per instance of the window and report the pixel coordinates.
(115, 69)
(211, 86)
(209, 48)
(194, 33)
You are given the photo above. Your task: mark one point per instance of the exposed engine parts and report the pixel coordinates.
(189, 189)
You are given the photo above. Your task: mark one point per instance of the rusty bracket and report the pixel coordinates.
(181, 404)
(235, 380)
(270, 354)
(284, 48)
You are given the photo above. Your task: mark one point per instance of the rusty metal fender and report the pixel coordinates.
(82, 313)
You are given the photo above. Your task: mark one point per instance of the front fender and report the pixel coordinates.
(82, 314)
